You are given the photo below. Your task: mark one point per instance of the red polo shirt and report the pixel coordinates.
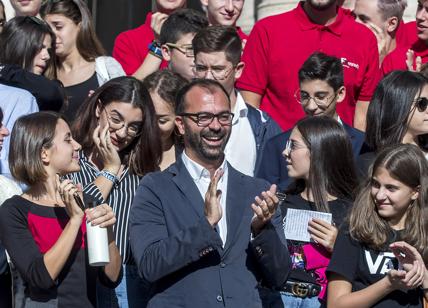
(131, 47)
(278, 46)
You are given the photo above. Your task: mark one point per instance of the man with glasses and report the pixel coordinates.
(218, 57)
(321, 81)
(197, 231)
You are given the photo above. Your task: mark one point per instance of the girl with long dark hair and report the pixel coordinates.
(320, 161)
(396, 114)
(119, 134)
(379, 258)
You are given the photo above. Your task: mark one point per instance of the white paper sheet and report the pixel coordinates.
(296, 223)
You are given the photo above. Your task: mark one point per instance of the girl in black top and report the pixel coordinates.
(377, 259)
(44, 229)
(320, 160)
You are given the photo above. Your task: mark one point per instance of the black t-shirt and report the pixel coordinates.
(363, 267)
(339, 209)
(48, 93)
(77, 94)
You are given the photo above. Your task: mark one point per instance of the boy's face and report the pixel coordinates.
(223, 12)
(180, 56)
(215, 66)
(318, 98)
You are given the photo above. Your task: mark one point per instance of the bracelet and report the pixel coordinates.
(109, 176)
(155, 49)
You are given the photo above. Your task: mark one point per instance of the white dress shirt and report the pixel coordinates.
(241, 148)
(201, 177)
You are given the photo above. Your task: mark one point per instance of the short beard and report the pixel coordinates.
(194, 140)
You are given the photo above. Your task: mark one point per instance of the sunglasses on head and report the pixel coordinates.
(421, 103)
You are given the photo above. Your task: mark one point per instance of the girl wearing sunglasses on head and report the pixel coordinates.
(320, 162)
(397, 114)
(380, 255)
(118, 130)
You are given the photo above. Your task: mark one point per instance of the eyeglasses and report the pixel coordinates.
(304, 98)
(204, 119)
(291, 146)
(218, 72)
(421, 103)
(116, 122)
(186, 49)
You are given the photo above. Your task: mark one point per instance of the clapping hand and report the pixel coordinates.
(264, 208)
(410, 58)
(213, 211)
(413, 270)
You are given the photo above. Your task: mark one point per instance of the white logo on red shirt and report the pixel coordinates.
(349, 64)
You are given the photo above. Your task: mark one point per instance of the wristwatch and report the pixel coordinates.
(155, 49)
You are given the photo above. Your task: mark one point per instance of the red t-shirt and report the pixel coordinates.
(131, 47)
(278, 46)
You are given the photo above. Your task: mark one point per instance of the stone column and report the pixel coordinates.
(248, 16)
(410, 12)
(274, 7)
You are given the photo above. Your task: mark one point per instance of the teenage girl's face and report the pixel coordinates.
(66, 32)
(42, 57)
(418, 122)
(63, 155)
(122, 119)
(391, 197)
(165, 117)
(298, 156)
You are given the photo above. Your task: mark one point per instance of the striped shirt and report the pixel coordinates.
(120, 199)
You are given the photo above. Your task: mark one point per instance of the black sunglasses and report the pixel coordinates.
(421, 103)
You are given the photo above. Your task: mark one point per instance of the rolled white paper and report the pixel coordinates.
(97, 245)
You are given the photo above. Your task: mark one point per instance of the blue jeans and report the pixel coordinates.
(291, 301)
(132, 292)
(279, 299)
